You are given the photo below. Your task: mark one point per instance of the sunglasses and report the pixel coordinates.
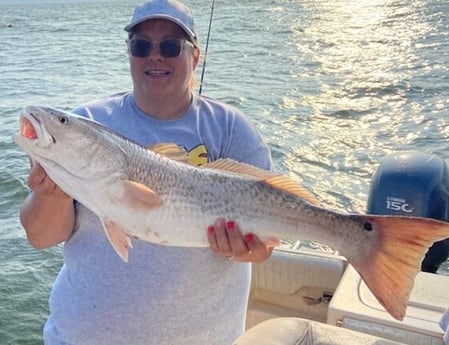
(168, 48)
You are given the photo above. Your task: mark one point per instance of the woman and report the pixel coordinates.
(163, 295)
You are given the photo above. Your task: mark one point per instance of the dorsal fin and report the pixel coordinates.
(171, 151)
(230, 165)
(271, 178)
(285, 183)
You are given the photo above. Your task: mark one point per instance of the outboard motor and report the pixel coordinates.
(413, 184)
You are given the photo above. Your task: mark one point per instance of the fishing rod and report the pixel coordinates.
(207, 46)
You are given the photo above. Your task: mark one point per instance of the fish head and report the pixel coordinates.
(68, 142)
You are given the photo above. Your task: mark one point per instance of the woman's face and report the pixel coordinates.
(156, 77)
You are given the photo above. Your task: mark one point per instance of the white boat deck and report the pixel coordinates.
(322, 287)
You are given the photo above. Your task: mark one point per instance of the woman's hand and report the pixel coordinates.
(226, 239)
(40, 182)
(47, 214)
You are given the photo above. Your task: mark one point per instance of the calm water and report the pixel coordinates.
(333, 85)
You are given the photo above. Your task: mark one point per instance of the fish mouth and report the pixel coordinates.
(27, 129)
(32, 128)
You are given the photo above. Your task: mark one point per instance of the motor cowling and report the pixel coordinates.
(413, 183)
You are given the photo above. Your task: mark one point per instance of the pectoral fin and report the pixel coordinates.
(119, 240)
(139, 196)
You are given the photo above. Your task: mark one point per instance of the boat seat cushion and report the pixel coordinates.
(297, 331)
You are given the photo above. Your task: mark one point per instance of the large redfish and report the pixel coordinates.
(139, 193)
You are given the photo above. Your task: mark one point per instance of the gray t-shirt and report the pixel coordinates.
(163, 295)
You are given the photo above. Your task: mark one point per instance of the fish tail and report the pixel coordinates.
(391, 269)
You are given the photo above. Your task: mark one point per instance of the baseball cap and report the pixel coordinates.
(172, 10)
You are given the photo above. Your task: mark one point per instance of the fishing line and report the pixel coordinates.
(207, 46)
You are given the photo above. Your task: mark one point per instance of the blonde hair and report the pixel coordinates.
(193, 82)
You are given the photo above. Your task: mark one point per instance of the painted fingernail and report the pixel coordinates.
(249, 237)
(230, 225)
(211, 229)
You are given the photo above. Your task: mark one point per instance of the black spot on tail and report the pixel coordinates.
(368, 226)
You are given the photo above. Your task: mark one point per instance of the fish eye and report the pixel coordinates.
(63, 120)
